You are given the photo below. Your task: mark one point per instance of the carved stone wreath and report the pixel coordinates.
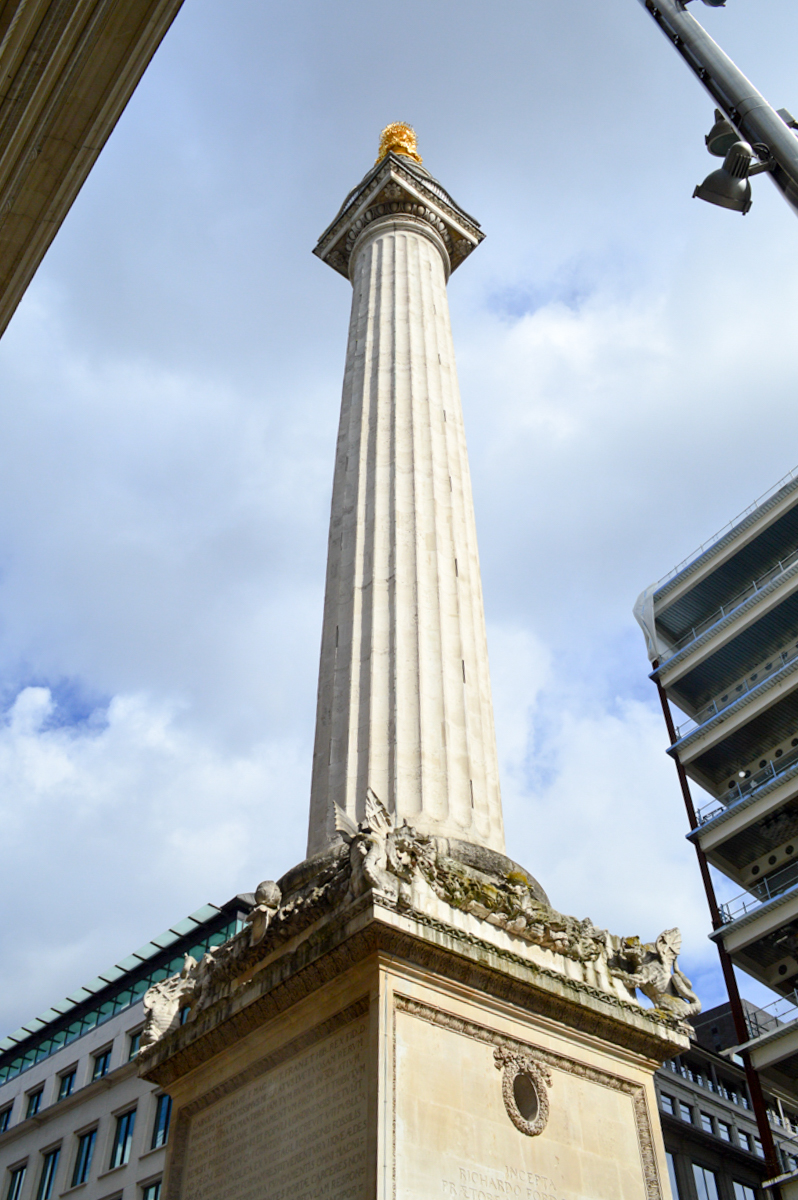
(525, 1083)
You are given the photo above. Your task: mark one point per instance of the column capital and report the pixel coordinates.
(398, 186)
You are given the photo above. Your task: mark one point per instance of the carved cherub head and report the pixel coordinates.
(399, 138)
(268, 894)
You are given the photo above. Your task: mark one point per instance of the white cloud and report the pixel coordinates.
(132, 815)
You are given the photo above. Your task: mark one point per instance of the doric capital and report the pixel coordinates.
(397, 186)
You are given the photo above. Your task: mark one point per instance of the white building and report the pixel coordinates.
(74, 1115)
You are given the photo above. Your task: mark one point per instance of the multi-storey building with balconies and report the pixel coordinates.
(722, 631)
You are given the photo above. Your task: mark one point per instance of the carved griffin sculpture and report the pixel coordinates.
(652, 967)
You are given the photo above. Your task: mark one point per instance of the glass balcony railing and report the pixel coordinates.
(776, 487)
(726, 1090)
(777, 884)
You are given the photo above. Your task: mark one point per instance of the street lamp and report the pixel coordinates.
(746, 126)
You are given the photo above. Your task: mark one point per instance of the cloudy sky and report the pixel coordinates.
(170, 389)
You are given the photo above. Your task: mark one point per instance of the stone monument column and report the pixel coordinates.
(404, 700)
(403, 1014)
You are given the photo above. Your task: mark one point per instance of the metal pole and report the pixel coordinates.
(726, 966)
(749, 112)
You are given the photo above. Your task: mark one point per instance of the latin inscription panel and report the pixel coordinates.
(298, 1131)
(455, 1139)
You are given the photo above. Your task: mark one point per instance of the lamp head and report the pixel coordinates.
(729, 187)
(721, 136)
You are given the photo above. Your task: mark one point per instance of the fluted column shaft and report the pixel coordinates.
(404, 702)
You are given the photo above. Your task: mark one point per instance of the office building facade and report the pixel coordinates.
(710, 1132)
(74, 1115)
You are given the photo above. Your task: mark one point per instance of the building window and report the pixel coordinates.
(666, 1104)
(160, 1131)
(724, 1131)
(34, 1103)
(133, 1044)
(5, 1118)
(745, 1141)
(123, 1139)
(83, 1160)
(66, 1084)
(706, 1123)
(49, 1168)
(758, 1148)
(102, 1063)
(706, 1183)
(152, 1191)
(685, 1112)
(743, 1192)
(672, 1175)
(16, 1180)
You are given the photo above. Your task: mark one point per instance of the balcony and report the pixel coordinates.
(751, 782)
(780, 1012)
(731, 695)
(769, 888)
(723, 610)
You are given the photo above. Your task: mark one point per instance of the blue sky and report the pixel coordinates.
(170, 389)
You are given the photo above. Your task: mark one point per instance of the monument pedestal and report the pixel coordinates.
(400, 1047)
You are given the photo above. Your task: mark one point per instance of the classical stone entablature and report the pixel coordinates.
(397, 186)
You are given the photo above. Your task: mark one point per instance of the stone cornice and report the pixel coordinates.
(58, 1107)
(370, 926)
(396, 187)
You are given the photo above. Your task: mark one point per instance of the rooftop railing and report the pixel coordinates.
(774, 663)
(788, 478)
(771, 1016)
(766, 889)
(726, 1091)
(751, 782)
(723, 610)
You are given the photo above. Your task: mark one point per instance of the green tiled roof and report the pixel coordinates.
(115, 989)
